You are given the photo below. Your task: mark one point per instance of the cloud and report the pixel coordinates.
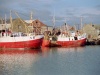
(80, 11)
(44, 10)
(97, 7)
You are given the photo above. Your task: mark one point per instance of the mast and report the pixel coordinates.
(31, 19)
(75, 27)
(81, 22)
(11, 21)
(66, 25)
(54, 20)
(5, 23)
(5, 19)
(1, 22)
(31, 16)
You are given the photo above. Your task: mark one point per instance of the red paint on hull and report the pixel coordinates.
(49, 43)
(25, 44)
(74, 43)
(46, 43)
(17, 51)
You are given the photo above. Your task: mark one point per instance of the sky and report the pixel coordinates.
(69, 11)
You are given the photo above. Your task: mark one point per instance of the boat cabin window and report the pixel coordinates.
(18, 34)
(75, 37)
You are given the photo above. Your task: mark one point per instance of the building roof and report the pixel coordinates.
(38, 23)
(28, 21)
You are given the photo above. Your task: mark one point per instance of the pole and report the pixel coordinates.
(81, 22)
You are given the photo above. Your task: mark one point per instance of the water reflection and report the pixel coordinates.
(15, 62)
(47, 51)
(73, 49)
(51, 61)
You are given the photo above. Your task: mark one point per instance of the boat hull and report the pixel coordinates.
(49, 43)
(46, 43)
(21, 42)
(73, 43)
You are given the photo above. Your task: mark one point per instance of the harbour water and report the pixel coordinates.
(51, 61)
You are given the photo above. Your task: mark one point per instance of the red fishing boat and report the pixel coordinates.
(71, 41)
(20, 40)
(70, 37)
